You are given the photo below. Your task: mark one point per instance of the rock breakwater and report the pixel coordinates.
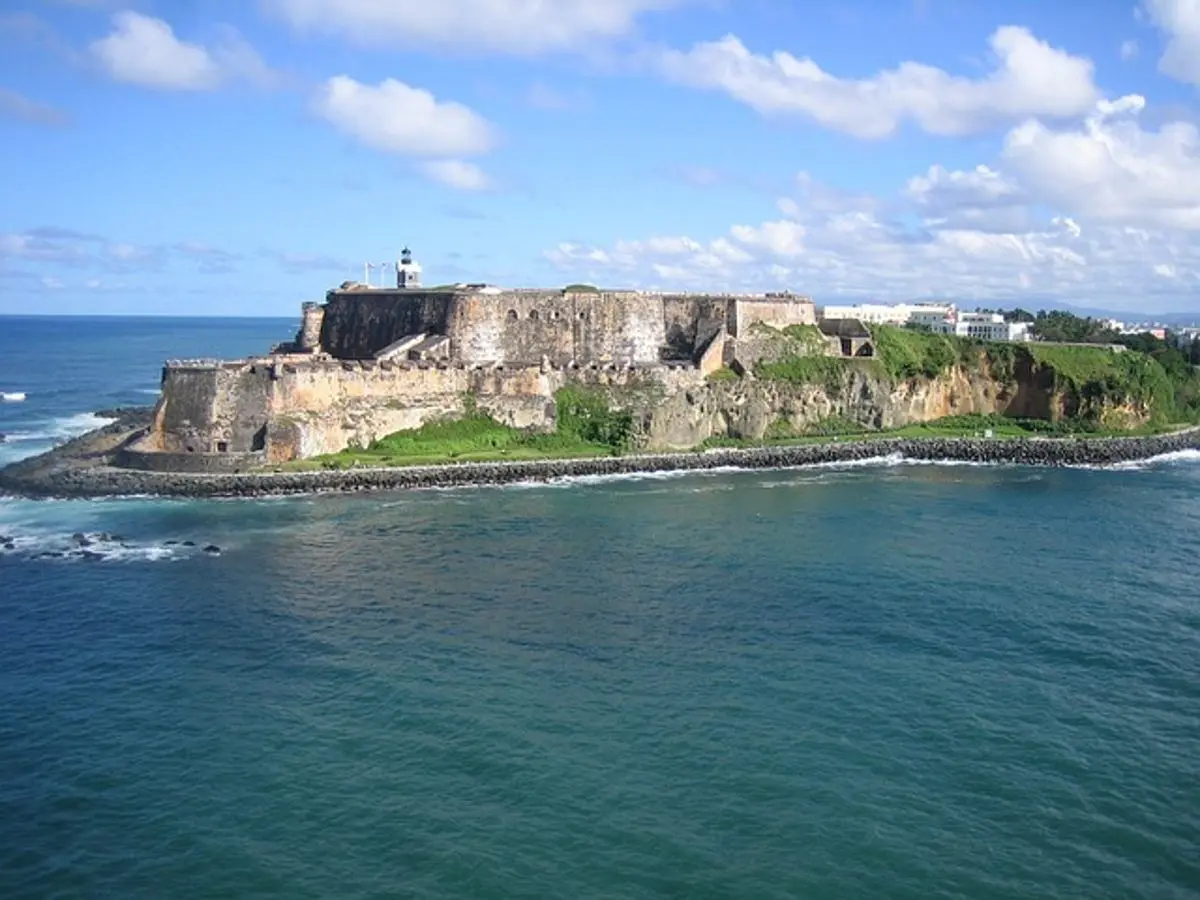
(74, 470)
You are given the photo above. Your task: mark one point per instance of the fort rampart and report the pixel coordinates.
(289, 407)
(626, 327)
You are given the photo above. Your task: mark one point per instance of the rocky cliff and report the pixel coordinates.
(1106, 389)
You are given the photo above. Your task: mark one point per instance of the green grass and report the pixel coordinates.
(474, 438)
(827, 371)
(723, 374)
(906, 353)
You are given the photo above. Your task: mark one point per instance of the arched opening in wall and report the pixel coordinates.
(555, 314)
(533, 315)
(259, 441)
(222, 446)
(866, 350)
(512, 315)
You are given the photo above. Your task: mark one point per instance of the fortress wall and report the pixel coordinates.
(778, 313)
(691, 320)
(203, 407)
(358, 324)
(324, 408)
(527, 326)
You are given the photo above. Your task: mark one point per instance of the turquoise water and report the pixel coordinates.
(887, 681)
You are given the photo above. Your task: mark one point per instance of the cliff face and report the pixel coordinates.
(751, 408)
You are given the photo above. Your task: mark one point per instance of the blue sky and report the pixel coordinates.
(220, 157)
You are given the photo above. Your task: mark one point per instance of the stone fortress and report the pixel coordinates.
(371, 361)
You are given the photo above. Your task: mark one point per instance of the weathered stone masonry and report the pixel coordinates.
(371, 362)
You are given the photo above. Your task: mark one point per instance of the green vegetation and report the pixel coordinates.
(581, 289)
(586, 427)
(908, 353)
(585, 416)
(807, 339)
(827, 371)
(723, 374)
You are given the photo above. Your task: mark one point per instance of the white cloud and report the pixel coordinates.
(981, 199)
(144, 51)
(1128, 50)
(523, 27)
(855, 250)
(1110, 169)
(455, 173)
(396, 118)
(1031, 79)
(1179, 20)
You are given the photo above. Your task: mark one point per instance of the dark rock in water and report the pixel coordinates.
(3, 437)
(189, 544)
(170, 543)
(212, 550)
(81, 540)
(8, 545)
(90, 555)
(50, 554)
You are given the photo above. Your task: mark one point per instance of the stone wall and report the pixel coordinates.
(778, 312)
(213, 407)
(358, 324)
(296, 407)
(528, 327)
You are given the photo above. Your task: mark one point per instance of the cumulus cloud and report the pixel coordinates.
(1110, 169)
(856, 249)
(143, 50)
(396, 118)
(1031, 78)
(455, 173)
(1179, 21)
(522, 27)
(17, 106)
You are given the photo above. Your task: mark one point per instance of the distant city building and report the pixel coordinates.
(896, 314)
(984, 327)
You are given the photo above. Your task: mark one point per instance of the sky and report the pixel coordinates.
(238, 157)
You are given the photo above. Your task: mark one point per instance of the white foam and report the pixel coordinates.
(34, 545)
(12, 396)
(1175, 456)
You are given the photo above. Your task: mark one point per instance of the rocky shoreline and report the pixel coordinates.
(82, 467)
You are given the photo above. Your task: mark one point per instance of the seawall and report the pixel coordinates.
(56, 474)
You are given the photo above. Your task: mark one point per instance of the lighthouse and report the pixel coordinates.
(408, 273)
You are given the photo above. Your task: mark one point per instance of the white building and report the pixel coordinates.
(897, 314)
(983, 327)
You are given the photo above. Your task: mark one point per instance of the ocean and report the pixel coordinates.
(884, 680)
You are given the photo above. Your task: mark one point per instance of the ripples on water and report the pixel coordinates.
(885, 682)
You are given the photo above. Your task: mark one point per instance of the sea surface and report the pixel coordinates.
(873, 681)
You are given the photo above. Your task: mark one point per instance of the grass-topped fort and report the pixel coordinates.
(406, 374)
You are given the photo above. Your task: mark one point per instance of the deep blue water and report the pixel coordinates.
(885, 681)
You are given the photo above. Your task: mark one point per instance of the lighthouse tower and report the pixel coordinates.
(408, 273)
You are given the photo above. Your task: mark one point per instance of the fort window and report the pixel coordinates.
(222, 446)
(512, 315)
(533, 314)
(583, 316)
